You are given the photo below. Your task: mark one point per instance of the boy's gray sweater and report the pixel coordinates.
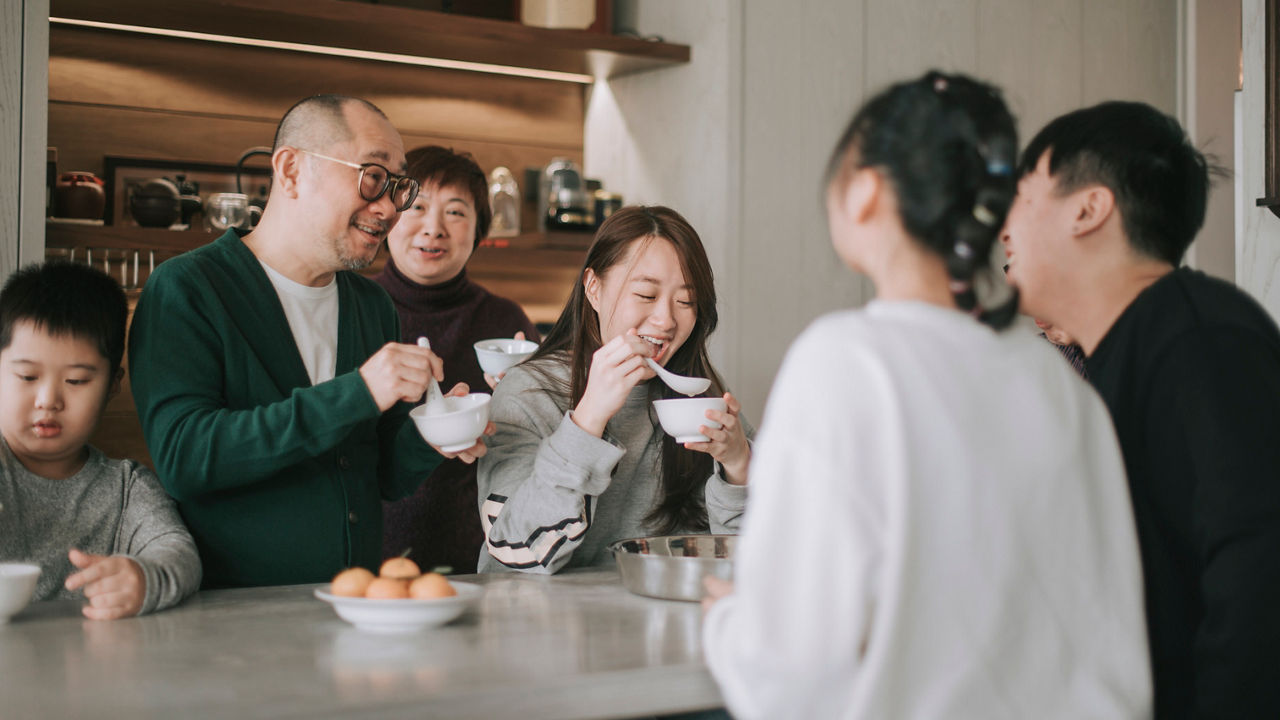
(552, 495)
(109, 507)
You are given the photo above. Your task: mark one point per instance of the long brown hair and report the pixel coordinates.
(576, 337)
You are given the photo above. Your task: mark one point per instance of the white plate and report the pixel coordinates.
(401, 616)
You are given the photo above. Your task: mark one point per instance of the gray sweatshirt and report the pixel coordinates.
(109, 507)
(553, 495)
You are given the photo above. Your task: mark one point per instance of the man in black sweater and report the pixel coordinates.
(1109, 199)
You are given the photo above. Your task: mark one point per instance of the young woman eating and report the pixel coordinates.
(579, 460)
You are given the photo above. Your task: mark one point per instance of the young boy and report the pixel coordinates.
(101, 526)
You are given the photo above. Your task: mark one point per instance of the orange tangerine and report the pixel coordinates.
(399, 568)
(387, 589)
(352, 582)
(431, 585)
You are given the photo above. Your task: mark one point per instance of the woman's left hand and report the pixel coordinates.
(728, 445)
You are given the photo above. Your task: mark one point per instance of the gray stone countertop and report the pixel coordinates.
(573, 645)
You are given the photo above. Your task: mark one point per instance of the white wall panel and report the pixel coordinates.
(1130, 52)
(1258, 236)
(803, 80)
(10, 132)
(790, 83)
(1033, 51)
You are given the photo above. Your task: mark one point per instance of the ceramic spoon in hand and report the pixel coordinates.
(684, 385)
(435, 398)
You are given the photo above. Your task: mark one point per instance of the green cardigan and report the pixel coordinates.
(279, 481)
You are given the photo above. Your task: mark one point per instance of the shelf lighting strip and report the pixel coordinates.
(335, 52)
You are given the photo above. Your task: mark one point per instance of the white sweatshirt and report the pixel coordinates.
(939, 527)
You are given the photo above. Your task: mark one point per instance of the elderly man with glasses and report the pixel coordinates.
(270, 381)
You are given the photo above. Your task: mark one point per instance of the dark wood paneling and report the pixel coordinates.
(84, 134)
(335, 23)
(254, 84)
(119, 434)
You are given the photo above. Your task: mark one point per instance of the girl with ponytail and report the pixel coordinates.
(943, 528)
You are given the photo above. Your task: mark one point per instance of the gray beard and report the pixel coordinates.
(348, 261)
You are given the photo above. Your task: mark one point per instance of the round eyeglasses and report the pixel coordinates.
(375, 180)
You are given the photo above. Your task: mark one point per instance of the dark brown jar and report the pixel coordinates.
(79, 194)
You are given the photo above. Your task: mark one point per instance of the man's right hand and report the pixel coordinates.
(400, 372)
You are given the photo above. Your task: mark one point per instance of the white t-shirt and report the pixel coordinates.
(312, 313)
(939, 527)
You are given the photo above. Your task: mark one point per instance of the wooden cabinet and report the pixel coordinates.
(156, 79)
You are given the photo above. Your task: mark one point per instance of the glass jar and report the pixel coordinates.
(504, 201)
(226, 210)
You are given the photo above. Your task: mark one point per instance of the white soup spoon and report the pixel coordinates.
(684, 385)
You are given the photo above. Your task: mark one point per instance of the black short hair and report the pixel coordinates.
(63, 298)
(434, 164)
(1144, 157)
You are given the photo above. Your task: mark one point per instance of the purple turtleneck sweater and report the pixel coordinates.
(440, 522)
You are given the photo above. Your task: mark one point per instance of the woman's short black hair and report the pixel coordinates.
(947, 145)
(64, 298)
(1143, 156)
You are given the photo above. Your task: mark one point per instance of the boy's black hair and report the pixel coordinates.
(1143, 156)
(64, 298)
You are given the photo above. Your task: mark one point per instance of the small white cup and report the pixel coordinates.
(681, 417)
(17, 585)
(499, 354)
(456, 424)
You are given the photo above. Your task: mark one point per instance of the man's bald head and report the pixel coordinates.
(319, 122)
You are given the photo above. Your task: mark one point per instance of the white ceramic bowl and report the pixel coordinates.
(17, 585)
(408, 615)
(499, 354)
(681, 417)
(456, 426)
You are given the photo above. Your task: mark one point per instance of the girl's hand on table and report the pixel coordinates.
(728, 445)
(114, 585)
(616, 367)
(716, 589)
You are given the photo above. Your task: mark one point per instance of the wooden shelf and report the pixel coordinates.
(389, 29)
(528, 250)
(536, 270)
(123, 237)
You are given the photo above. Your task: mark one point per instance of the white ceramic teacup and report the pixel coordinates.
(455, 426)
(681, 417)
(17, 585)
(497, 355)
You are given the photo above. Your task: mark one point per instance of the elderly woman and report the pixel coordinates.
(426, 276)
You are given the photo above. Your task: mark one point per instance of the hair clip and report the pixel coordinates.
(999, 168)
(939, 84)
(963, 250)
(958, 287)
(985, 216)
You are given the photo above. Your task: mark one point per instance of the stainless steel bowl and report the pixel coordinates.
(671, 567)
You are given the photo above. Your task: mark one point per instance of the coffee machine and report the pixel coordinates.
(563, 200)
